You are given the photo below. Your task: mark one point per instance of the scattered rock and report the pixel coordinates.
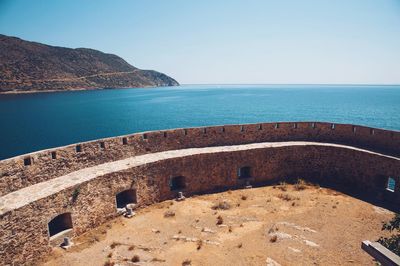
(211, 242)
(180, 196)
(208, 230)
(191, 239)
(281, 235)
(294, 250)
(271, 262)
(305, 229)
(310, 243)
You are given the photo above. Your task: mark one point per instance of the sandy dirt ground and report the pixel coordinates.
(281, 225)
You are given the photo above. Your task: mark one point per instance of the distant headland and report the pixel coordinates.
(34, 67)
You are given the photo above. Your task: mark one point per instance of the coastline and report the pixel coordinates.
(77, 89)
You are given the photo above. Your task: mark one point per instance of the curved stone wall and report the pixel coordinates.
(25, 170)
(85, 184)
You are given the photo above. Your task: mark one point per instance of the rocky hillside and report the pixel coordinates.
(29, 66)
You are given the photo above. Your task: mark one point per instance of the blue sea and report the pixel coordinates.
(31, 122)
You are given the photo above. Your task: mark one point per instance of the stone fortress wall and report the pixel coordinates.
(25, 170)
(72, 189)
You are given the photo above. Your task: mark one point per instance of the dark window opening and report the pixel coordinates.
(78, 148)
(53, 155)
(27, 161)
(60, 223)
(295, 125)
(204, 130)
(241, 128)
(125, 197)
(124, 141)
(391, 184)
(177, 183)
(333, 126)
(102, 145)
(277, 125)
(185, 132)
(260, 127)
(144, 136)
(165, 134)
(313, 125)
(244, 172)
(223, 129)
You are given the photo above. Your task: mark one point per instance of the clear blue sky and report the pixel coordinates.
(215, 41)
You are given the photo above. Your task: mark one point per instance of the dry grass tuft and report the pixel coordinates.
(220, 220)
(186, 262)
(157, 260)
(273, 229)
(287, 197)
(114, 244)
(282, 186)
(135, 258)
(300, 185)
(222, 205)
(169, 213)
(199, 244)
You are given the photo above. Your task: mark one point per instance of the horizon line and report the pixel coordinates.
(325, 84)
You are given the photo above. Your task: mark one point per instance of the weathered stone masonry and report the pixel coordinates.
(85, 183)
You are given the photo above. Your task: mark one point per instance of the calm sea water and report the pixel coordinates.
(32, 122)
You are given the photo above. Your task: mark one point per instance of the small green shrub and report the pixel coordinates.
(393, 242)
(75, 194)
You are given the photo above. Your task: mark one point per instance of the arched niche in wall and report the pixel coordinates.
(244, 172)
(177, 183)
(60, 223)
(125, 197)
